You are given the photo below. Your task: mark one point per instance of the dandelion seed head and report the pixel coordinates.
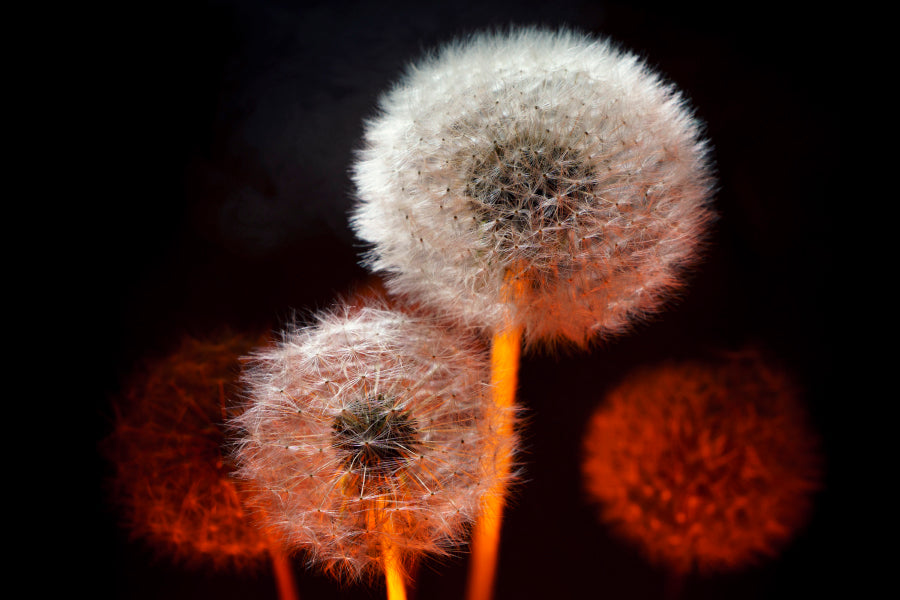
(173, 470)
(706, 466)
(549, 157)
(370, 429)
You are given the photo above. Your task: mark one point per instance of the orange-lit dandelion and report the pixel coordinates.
(173, 471)
(371, 439)
(701, 465)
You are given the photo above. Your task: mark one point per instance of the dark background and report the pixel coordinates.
(233, 128)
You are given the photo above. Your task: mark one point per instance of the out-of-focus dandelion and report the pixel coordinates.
(705, 466)
(173, 469)
(371, 439)
(544, 186)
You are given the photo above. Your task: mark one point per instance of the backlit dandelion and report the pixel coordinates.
(703, 466)
(550, 158)
(371, 439)
(544, 186)
(173, 469)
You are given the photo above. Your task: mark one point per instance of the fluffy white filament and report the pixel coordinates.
(545, 157)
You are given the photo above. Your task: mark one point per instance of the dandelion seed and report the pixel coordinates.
(705, 466)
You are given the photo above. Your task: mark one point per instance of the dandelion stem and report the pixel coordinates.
(505, 350)
(284, 576)
(393, 575)
(393, 571)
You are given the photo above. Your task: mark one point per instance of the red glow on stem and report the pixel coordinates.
(284, 576)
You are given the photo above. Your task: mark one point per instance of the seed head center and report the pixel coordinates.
(376, 436)
(529, 185)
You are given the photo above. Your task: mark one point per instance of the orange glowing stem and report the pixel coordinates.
(505, 350)
(284, 576)
(393, 575)
(393, 570)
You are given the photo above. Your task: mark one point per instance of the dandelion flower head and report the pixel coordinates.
(370, 430)
(548, 158)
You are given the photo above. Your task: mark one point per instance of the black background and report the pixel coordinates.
(233, 128)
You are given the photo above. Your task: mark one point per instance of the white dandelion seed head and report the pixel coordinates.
(371, 429)
(547, 159)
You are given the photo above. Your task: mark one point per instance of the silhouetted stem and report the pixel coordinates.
(674, 585)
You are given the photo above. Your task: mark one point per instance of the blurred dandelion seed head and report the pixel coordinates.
(707, 466)
(546, 156)
(371, 429)
(173, 472)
